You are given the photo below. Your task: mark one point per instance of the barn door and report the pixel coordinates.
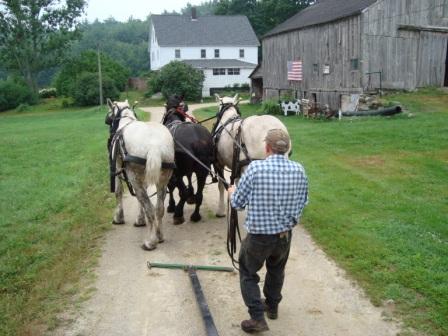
(446, 66)
(432, 56)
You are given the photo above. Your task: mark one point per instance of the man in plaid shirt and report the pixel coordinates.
(275, 191)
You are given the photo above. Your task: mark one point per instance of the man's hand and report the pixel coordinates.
(231, 189)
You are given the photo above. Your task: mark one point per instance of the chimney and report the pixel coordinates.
(194, 16)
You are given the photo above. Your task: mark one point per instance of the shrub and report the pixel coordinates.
(13, 93)
(271, 107)
(287, 96)
(22, 107)
(86, 89)
(182, 79)
(67, 79)
(47, 93)
(67, 102)
(154, 84)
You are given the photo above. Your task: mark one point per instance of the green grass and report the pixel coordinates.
(55, 207)
(378, 205)
(379, 201)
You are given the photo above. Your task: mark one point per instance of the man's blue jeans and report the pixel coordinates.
(255, 250)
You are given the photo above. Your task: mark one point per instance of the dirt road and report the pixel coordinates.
(131, 300)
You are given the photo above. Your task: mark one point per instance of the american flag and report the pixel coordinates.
(295, 71)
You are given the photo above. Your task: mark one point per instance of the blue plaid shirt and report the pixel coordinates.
(276, 191)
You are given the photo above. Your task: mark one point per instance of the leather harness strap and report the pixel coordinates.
(117, 147)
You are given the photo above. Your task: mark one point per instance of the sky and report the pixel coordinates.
(138, 9)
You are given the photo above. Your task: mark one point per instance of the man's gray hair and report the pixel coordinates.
(278, 140)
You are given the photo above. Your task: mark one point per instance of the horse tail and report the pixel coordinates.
(153, 166)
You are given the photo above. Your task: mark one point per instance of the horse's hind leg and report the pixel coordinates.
(191, 199)
(141, 219)
(196, 216)
(148, 209)
(171, 202)
(160, 207)
(178, 217)
(119, 215)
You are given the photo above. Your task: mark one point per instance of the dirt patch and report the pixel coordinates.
(131, 300)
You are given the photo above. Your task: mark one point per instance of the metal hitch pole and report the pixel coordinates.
(199, 294)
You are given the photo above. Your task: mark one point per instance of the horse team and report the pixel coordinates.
(145, 154)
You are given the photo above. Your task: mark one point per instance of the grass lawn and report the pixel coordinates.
(55, 207)
(379, 201)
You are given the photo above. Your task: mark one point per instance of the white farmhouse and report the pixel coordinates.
(225, 48)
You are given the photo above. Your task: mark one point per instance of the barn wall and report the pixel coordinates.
(407, 59)
(334, 44)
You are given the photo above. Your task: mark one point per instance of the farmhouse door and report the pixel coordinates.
(432, 57)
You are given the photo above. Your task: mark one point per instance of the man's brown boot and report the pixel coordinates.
(254, 326)
(271, 312)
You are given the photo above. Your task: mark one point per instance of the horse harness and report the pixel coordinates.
(239, 146)
(117, 148)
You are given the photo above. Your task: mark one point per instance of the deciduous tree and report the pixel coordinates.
(34, 34)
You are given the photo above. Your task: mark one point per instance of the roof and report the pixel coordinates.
(323, 11)
(257, 73)
(211, 30)
(218, 63)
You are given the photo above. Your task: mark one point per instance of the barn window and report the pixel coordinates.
(203, 53)
(216, 53)
(315, 67)
(326, 69)
(177, 53)
(219, 72)
(354, 64)
(233, 71)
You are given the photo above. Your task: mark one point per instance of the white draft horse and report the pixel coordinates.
(143, 154)
(252, 134)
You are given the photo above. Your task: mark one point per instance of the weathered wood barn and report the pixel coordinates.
(350, 46)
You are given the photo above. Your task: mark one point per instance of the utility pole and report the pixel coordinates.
(100, 77)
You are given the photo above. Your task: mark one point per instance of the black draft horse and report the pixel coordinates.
(190, 139)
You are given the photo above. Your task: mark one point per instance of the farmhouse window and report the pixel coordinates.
(326, 69)
(203, 53)
(216, 53)
(354, 64)
(219, 72)
(177, 53)
(241, 53)
(233, 71)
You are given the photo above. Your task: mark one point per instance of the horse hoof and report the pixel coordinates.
(170, 209)
(139, 224)
(195, 218)
(191, 200)
(117, 222)
(161, 240)
(220, 215)
(178, 220)
(148, 248)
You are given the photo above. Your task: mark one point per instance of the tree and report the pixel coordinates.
(263, 15)
(86, 90)
(125, 42)
(34, 34)
(67, 80)
(182, 79)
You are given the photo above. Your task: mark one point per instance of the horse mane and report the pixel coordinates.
(170, 116)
